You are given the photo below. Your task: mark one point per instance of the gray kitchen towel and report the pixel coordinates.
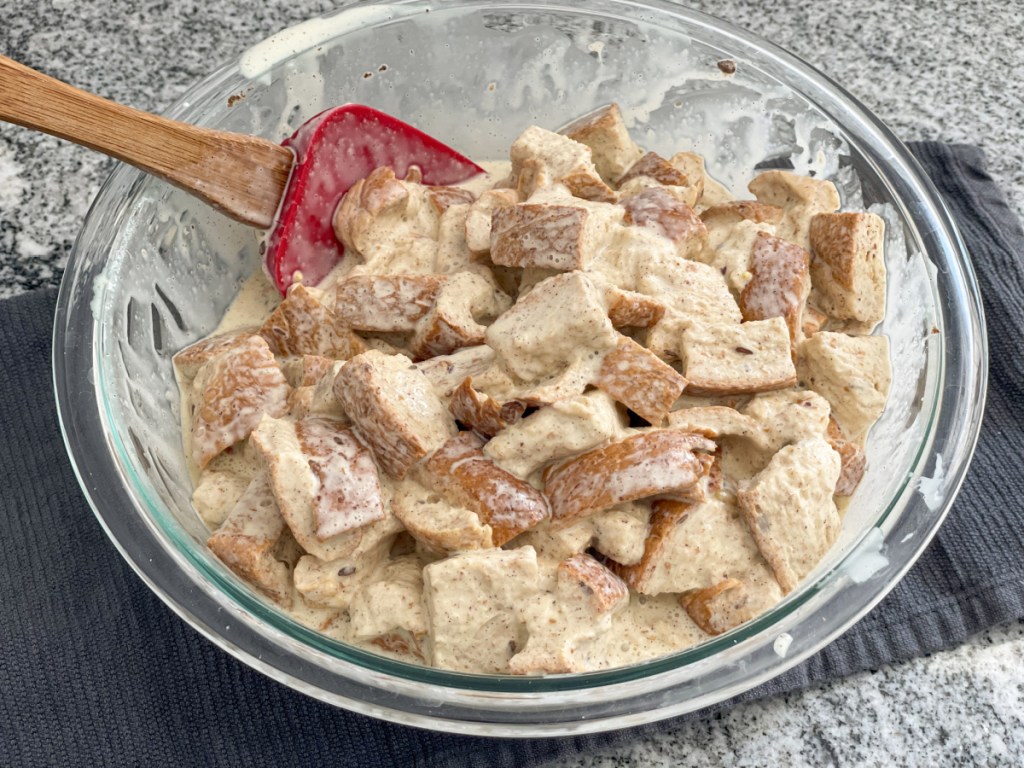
(95, 670)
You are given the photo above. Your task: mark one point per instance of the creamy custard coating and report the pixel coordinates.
(666, 430)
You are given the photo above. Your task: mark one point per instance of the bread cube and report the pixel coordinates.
(324, 480)
(562, 429)
(852, 373)
(381, 216)
(541, 158)
(848, 268)
(464, 302)
(853, 462)
(727, 604)
(231, 393)
(612, 149)
(789, 509)
(694, 546)
(247, 540)
(437, 522)
(188, 361)
(482, 413)
(216, 494)
(657, 462)
(461, 472)
(386, 303)
(800, 198)
(481, 214)
(658, 210)
(474, 606)
(638, 379)
(394, 408)
(779, 284)
(731, 359)
(447, 372)
(549, 235)
(562, 626)
(562, 320)
(302, 325)
(628, 309)
(656, 167)
(393, 600)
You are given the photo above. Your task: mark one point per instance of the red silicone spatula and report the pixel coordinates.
(245, 177)
(333, 150)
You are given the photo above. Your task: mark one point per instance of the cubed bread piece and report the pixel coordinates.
(648, 626)
(302, 325)
(736, 211)
(654, 166)
(789, 509)
(348, 495)
(779, 285)
(465, 302)
(852, 373)
(800, 198)
(851, 456)
(386, 303)
(692, 165)
(306, 370)
(216, 494)
(550, 158)
(562, 429)
(639, 380)
(848, 268)
(436, 522)
(482, 413)
(443, 198)
(383, 217)
(814, 319)
(461, 472)
(394, 408)
(658, 210)
(788, 416)
(562, 320)
(730, 359)
(318, 399)
(188, 361)
(453, 252)
(393, 600)
(563, 625)
(620, 532)
(474, 605)
(692, 291)
(336, 582)
(727, 604)
(480, 215)
(694, 546)
(447, 372)
(247, 540)
(605, 132)
(554, 543)
(658, 462)
(551, 235)
(325, 483)
(231, 393)
(729, 249)
(627, 309)
(612, 149)
(715, 421)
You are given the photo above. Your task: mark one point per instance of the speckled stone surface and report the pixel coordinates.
(944, 70)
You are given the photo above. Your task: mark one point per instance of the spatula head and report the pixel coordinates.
(333, 150)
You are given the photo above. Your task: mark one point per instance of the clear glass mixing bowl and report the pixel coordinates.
(153, 270)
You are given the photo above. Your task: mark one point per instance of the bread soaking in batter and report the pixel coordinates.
(582, 412)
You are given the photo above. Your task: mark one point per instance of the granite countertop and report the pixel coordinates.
(942, 70)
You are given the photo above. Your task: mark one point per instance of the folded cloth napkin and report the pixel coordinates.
(95, 670)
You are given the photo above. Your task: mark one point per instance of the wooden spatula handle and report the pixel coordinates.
(243, 176)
